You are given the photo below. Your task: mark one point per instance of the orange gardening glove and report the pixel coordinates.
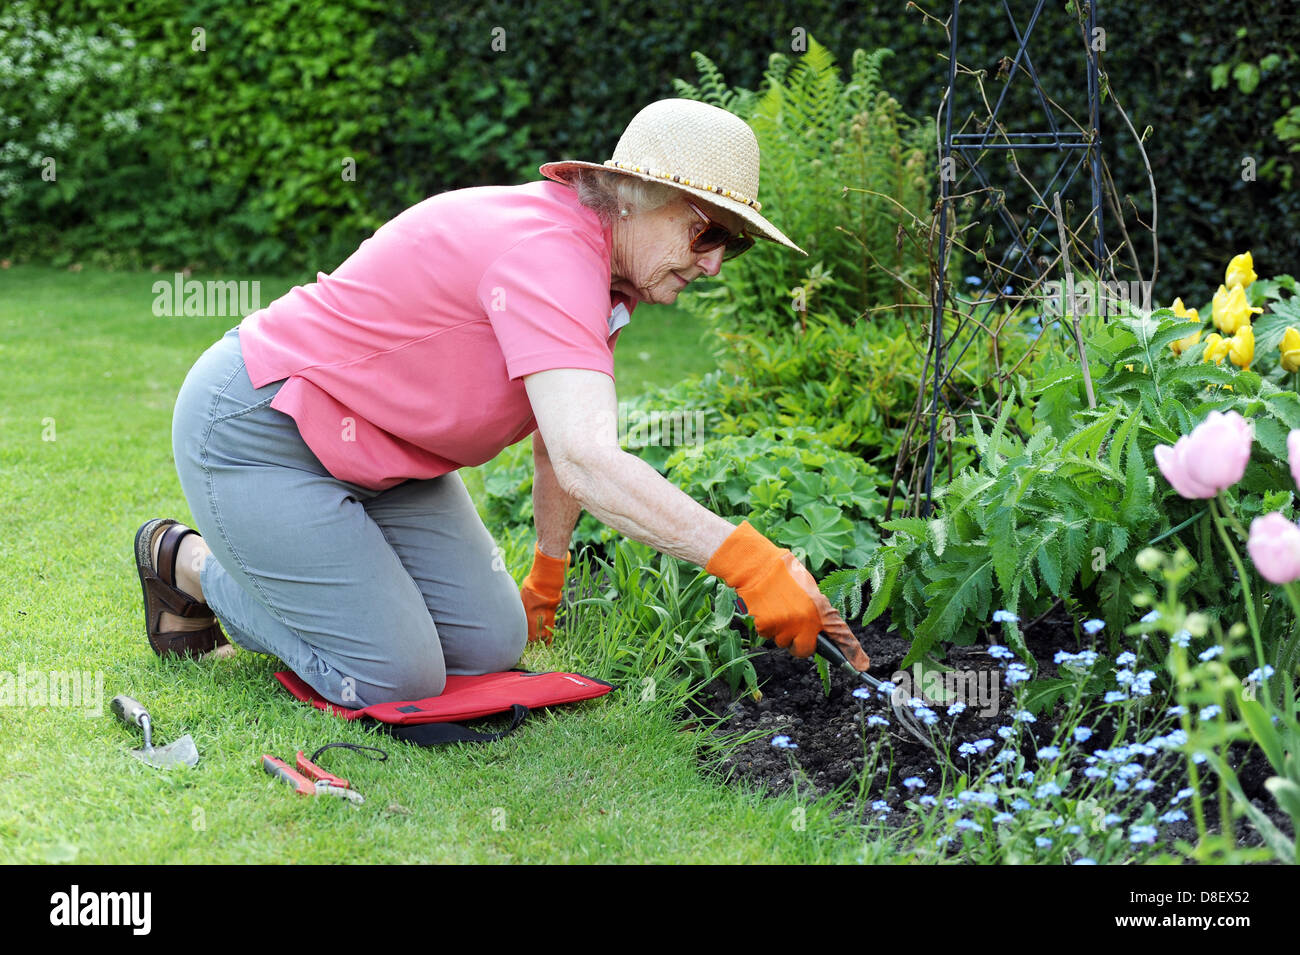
(541, 594)
(778, 591)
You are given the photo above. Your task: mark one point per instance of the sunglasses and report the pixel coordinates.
(715, 234)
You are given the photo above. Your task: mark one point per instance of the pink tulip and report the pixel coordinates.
(1274, 546)
(1293, 454)
(1213, 457)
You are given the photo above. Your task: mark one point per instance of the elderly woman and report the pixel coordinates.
(318, 441)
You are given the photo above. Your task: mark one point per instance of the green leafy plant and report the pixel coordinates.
(680, 615)
(1060, 514)
(786, 481)
(854, 384)
(1029, 520)
(1208, 691)
(791, 486)
(818, 134)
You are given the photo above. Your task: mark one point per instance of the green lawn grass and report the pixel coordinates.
(90, 377)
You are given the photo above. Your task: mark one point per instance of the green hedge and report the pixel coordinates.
(241, 166)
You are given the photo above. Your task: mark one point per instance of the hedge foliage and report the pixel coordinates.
(233, 156)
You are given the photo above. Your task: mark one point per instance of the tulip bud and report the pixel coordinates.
(1216, 346)
(1290, 347)
(1231, 310)
(1182, 344)
(1241, 349)
(1213, 457)
(1274, 546)
(1182, 311)
(1241, 271)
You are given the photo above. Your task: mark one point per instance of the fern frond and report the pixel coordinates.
(959, 590)
(843, 588)
(712, 88)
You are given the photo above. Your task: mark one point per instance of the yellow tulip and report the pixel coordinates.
(1241, 271)
(1216, 346)
(1291, 349)
(1182, 311)
(1241, 347)
(1183, 344)
(1231, 310)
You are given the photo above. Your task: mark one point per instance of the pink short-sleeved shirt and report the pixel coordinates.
(407, 360)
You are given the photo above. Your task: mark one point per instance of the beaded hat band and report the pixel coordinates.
(665, 174)
(702, 150)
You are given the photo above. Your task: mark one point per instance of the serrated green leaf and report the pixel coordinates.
(939, 534)
(956, 591)
(1087, 440)
(993, 460)
(1173, 331)
(1117, 443)
(917, 527)
(1004, 544)
(884, 581)
(1048, 554)
(1271, 435)
(1137, 489)
(1074, 551)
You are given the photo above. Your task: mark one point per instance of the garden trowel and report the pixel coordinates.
(839, 647)
(844, 651)
(177, 753)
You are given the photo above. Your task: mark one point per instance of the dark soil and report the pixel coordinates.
(834, 743)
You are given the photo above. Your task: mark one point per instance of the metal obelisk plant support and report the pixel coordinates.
(994, 139)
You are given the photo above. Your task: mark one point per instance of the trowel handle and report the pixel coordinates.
(832, 653)
(129, 711)
(132, 713)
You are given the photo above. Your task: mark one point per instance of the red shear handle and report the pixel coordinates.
(312, 771)
(286, 773)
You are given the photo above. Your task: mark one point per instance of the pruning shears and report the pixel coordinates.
(309, 779)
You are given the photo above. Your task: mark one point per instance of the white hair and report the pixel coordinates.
(608, 193)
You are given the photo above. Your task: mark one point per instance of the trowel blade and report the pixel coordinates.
(177, 753)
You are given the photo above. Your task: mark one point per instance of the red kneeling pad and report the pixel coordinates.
(432, 720)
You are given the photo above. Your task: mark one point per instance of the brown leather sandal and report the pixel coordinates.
(162, 594)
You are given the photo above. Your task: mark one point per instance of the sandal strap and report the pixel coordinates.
(189, 642)
(176, 600)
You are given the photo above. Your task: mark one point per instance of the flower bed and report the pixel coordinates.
(818, 744)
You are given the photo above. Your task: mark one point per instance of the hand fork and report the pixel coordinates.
(831, 653)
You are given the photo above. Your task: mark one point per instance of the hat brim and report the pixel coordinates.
(758, 226)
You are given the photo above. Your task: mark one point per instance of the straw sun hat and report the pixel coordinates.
(700, 149)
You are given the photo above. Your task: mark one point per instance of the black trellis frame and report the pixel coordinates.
(969, 146)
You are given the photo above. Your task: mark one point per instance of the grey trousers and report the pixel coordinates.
(369, 596)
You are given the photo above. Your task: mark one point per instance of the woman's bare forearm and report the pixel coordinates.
(627, 494)
(577, 410)
(555, 511)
